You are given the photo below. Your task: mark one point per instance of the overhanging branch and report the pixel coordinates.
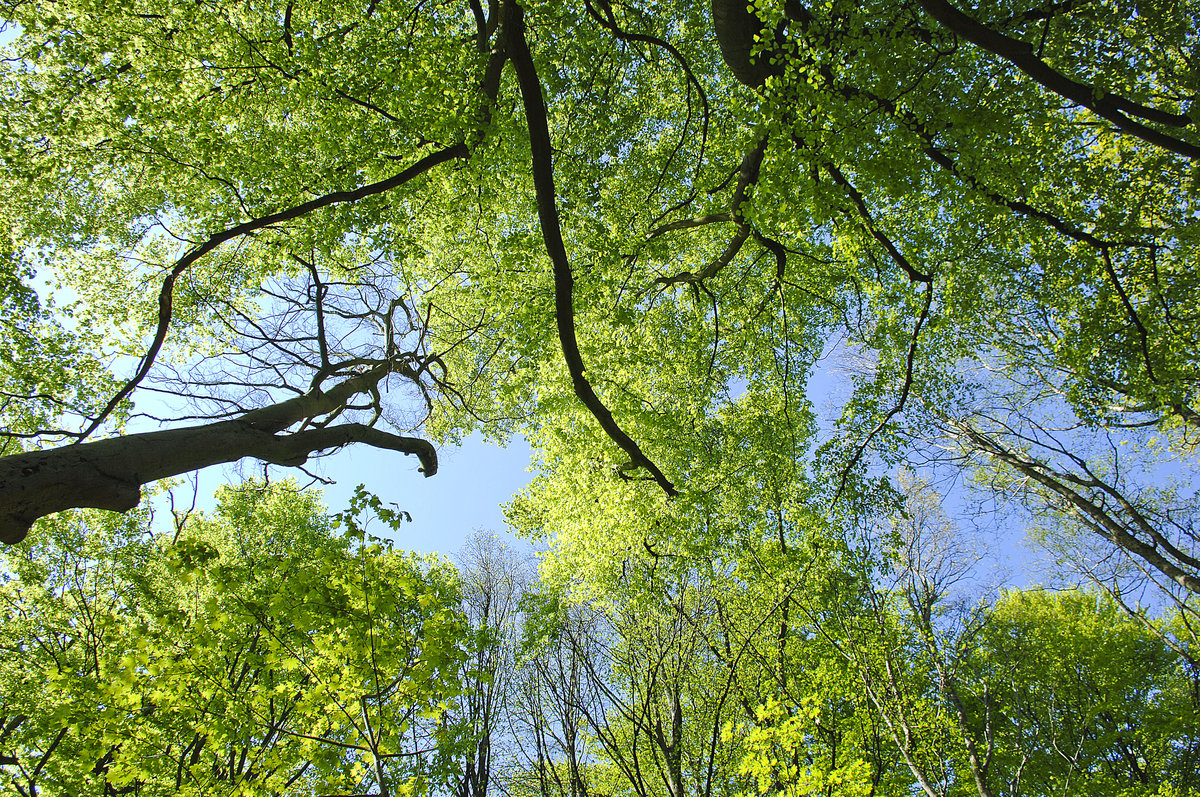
(1020, 54)
(564, 280)
(166, 294)
(109, 474)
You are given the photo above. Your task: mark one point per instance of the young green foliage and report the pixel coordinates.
(255, 651)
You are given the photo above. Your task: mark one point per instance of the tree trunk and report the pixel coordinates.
(736, 29)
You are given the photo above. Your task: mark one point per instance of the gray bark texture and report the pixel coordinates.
(109, 474)
(736, 29)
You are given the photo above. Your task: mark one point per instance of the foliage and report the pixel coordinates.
(646, 237)
(255, 652)
(1086, 698)
(779, 745)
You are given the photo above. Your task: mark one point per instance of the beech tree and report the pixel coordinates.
(257, 650)
(628, 230)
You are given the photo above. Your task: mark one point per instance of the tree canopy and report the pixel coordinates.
(255, 650)
(629, 231)
(647, 235)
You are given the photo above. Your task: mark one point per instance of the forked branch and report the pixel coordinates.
(108, 474)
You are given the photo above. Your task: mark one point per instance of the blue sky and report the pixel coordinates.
(465, 494)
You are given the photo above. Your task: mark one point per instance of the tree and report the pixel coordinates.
(255, 650)
(1021, 692)
(658, 698)
(1007, 191)
(1081, 698)
(494, 580)
(549, 706)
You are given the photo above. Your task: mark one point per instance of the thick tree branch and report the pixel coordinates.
(166, 294)
(748, 173)
(869, 222)
(108, 474)
(737, 29)
(1107, 106)
(714, 266)
(564, 280)
(687, 224)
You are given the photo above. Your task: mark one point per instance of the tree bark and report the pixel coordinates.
(542, 153)
(108, 474)
(736, 29)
